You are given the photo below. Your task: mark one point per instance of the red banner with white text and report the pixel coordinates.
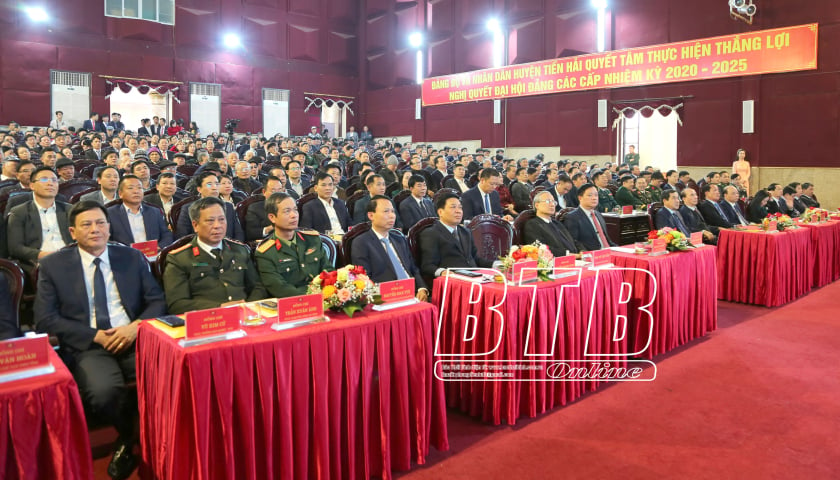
(767, 51)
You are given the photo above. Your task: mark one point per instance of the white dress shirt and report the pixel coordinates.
(135, 221)
(208, 248)
(51, 239)
(335, 223)
(115, 308)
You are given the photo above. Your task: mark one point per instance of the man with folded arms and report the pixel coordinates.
(694, 219)
(289, 258)
(210, 271)
(585, 223)
(447, 244)
(92, 297)
(548, 231)
(132, 222)
(384, 254)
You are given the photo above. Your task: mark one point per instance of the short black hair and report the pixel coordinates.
(789, 190)
(415, 179)
(202, 204)
(657, 176)
(42, 168)
(204, 174)
(625, 178)
(100, 170)
(487, 173)
(707, 187)
(372, 178)
(273, 200)
(84, 206)
(322, 176)
(371, 206)
(128, 177)
(772, 187)
(666, 194)
(440, 201)
(683, 173)
(583, 188)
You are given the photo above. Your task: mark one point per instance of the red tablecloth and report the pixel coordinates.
(43, 433)
(685, 306)
(769, 269)
(826, 244)
(532, 393)
(349, 398)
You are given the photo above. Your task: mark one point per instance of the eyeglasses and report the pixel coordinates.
(211, 184)
(47, 180)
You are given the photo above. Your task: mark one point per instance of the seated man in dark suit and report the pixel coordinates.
(38, 227)
(483, 198)
(257, 224)
(585, 223)
(375, 185)
(92, 297)
(729, 205)
(417, 206)
(131, 222)
(8, 323)
(167, 193)
(624, 195)
(521, 189)
(108, 178)
(548, 231)
(325, 213)
(694, 219)
(458, 182)
(208, 186)
(447, 244)
(710, 208)
(669, 215)
(384, 254)
(808, 198)
(562, 193)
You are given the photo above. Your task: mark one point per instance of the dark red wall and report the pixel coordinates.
(300, 45)
(797, 119)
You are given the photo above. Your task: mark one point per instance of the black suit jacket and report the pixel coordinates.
(695, 222)
(91, 154)
(582, 230)
(712, 216)
(8, 326)
(571, 202)
(411, 213)
(453, 184)
(809, 202)
(99, 127)
(369, 252)
(664, 219)
(255, 221)
(154, 199)
(153, 221)
(314, 215)
(473, 204)
(24, 230)
(61, 306)
(553, 233)
(730, 213)
(234, 229)
(143, 131)
(521, 193)
(440, 249)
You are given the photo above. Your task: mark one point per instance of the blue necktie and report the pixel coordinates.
(100, 301)
(680, 225)
(395, 261)
(720, 212)
(487, 204)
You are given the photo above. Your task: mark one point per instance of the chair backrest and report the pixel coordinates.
(175, 211)
(160, 263)
(519, 225)
(352, 199)
(188, 170)
(6, 183)
(473, 180)
(743, 206)
(331, 249)
(414, 236)
(561, 215)
(304, 199)
(400, 197)
(393, 188)
(347, 241)
(76, 196)
(534, 193)
(654, 207)
(154, 171)
(492, 235)
(76, 185)
(445, 179)
(87, 170)
(14, 278)
(443, 191)
(612, 188)
(242, 207)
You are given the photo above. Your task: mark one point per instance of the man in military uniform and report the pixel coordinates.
(210, 271)
(289, 259)
(606, 202)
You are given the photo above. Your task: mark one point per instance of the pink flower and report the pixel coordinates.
(344, 295)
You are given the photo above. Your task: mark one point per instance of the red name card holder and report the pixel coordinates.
(627, 210)
(772, 227)
(299, 310)
(213, 325)
(523, 272)
(658, 247)
(696, 239)
(598, 258)
(25, 357)
(396, 294)
(565, 265)
(149, 249)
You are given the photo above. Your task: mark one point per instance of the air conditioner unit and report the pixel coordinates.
(206, 107)
(275, 112)
(70, 93)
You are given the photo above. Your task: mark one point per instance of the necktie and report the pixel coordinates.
(425, 208)
(487, 204)
(217, 252)
(720, 212)
(100, 301)
(603, 238)
(741, 218)
(680, 225)
(395, 261)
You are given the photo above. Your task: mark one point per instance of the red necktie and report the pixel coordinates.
(604, 242)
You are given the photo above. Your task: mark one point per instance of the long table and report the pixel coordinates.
(349, 398)
(530, 392)
(43, 433)
(825, 238)
(769, 269)
(684, 288)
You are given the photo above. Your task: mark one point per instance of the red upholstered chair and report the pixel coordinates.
(393, 188)
(352, 189)
(445, 179)
(347, 241)
(154, 170)
(519, 225)
(76, 196)
(188, 170)
(14, 277)
(160, 264)
(87, 171)
(492, 235)
(76, 185)
(351, 201)
(561, 215)
(175, 211)
(306, 198)
(612, 188)
(400, 197)
(654, 207)
(7, 183)
(443, 191)
(414, 236)
(473, 180)
(534, 193)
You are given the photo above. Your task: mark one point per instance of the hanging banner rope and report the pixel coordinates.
(329, 102)
(646, 111)
(143, 87)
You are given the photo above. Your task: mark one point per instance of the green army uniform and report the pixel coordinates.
(287, 267)
(631, 159)
(655, 194)
(606, 202)
(643, 197)
(312, 161)
(194, 280)
(623, 196)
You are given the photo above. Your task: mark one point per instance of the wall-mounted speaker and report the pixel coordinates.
(602, 113)
(748, 117)
(418, 109)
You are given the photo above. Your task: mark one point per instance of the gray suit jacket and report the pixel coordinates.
(24, 230)
(94, 197)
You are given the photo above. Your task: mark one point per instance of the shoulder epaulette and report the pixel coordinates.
(265, 245)
(181, 248)
(309, 232)
(235, 242)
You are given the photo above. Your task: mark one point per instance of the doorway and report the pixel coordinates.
(135, 106)
(654, 136)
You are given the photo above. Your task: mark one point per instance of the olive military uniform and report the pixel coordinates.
(195, 280)
(606, 202)
(287, 267)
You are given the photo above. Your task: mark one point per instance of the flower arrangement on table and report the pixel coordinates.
(535, 251)
(813, 215)
(782, 221)
(347, 289)
(674, 239)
